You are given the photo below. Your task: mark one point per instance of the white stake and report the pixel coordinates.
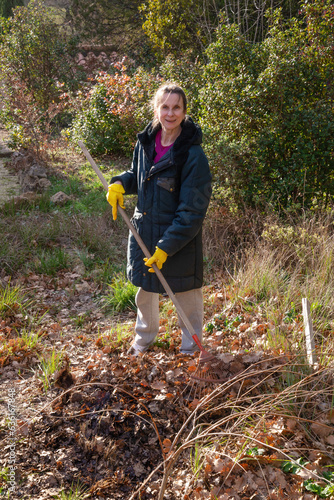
(309, 335)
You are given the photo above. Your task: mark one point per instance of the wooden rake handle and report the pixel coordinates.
(147, 254)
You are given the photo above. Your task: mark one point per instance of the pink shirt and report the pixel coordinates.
(159, 148)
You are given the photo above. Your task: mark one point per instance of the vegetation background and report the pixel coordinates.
(259, 79)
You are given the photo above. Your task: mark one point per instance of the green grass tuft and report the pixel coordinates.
(121, 294)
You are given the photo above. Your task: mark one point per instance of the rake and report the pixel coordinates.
(210, 368)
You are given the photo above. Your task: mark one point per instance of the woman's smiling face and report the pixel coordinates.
(170, 111)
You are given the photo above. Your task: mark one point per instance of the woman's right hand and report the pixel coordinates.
(115, 197)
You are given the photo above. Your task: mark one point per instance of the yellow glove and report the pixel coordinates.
(158, 258)
(115, 196)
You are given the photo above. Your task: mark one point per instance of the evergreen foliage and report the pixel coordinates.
(32, 48)
(7, 6)
(175, 26)
(267, 111)
(36, 66)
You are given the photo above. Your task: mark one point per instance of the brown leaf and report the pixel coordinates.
(207, 470)
(193, 405)
(321, 429)
(330, 439)
(23, 427)
(166, 445)
(291, 424)
(222, 466)
(158, 385)
(331, 416)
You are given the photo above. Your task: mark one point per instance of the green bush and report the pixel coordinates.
(267, 111)
(110, 114)
(36, 68)
(175, 26)
(7, 6)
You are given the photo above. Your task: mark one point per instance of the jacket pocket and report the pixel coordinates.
(168, 183)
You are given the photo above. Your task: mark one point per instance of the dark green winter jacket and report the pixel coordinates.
(173, 197)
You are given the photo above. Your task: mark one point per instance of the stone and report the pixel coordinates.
(60, 198)
(44, 184)
(37, 171)
(21, 161)
(5, 152)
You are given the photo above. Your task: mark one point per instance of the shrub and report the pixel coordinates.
(113, 110)
(6, 7)
(36, 66)
(174, 26)
(266, 110)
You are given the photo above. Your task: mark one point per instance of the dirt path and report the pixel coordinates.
(9, 185)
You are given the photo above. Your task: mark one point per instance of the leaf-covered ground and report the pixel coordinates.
(123, 427)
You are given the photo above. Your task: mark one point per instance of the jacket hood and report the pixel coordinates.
(191, 134)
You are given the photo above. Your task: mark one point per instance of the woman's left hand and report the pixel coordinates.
(159, 258)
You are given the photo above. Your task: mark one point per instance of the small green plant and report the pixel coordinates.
(4, 478)
(80, 319)
(76, 492)
(30, 339)
(291, 314)
(326, 491)
(122, 294)
(255, 452)
(322, 490)
(209, 327)
(163, 341)
(117, 339)
(219, 322)
(196, 459)
(294, 466)
(11, 300)
(49, 366)
(52, 261)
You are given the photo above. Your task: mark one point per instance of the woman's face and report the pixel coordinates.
(170, 112)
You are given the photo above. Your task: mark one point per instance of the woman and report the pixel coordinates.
(170, 174)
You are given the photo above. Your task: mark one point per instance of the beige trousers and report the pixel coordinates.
(147, 323)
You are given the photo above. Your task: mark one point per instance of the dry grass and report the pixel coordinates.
(260, 418)
(275, 263)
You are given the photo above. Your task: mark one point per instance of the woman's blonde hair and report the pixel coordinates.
(167, 88)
